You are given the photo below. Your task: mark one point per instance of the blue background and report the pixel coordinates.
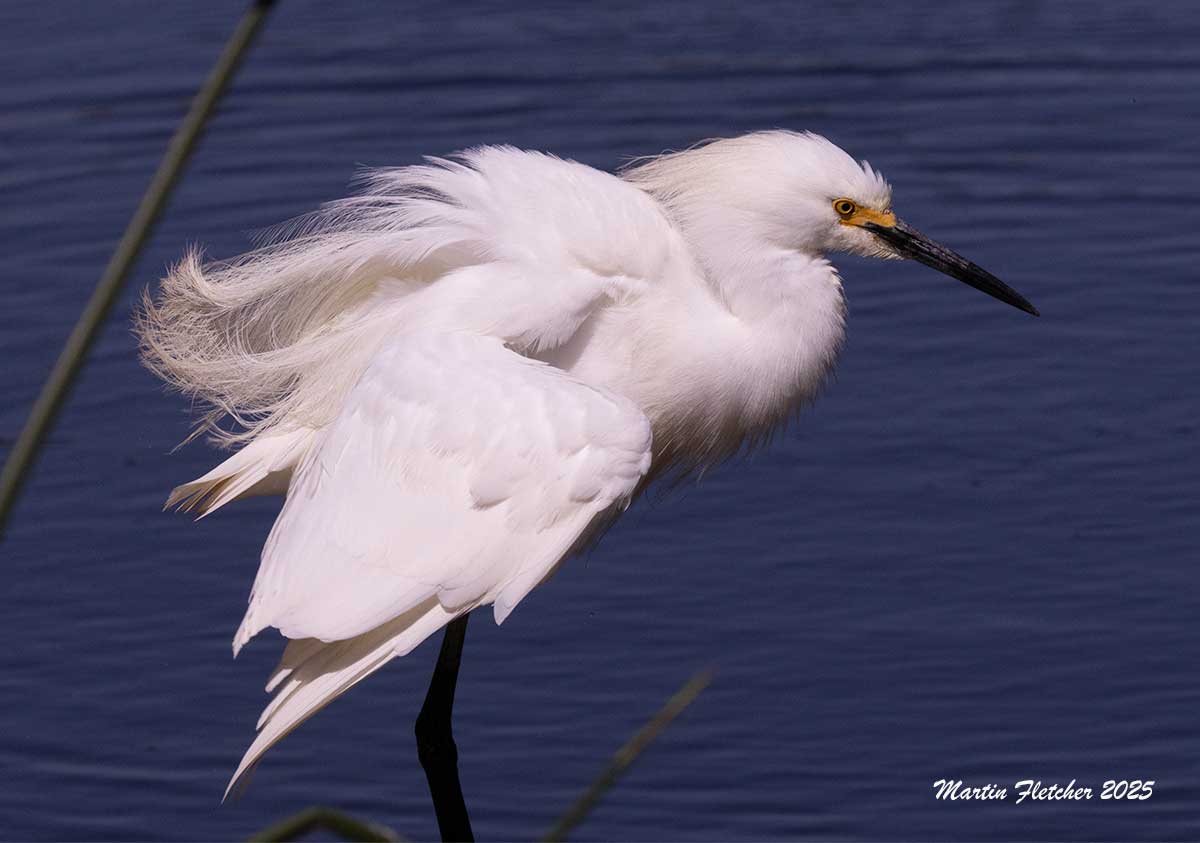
(973, 558)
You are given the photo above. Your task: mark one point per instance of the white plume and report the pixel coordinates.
(275, 337)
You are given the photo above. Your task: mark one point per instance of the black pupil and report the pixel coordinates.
(845, 207)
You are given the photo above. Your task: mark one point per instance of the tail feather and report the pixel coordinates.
(264, 467)
(295, 654)
(312, 674)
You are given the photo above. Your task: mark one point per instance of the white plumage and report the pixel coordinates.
(461, 375)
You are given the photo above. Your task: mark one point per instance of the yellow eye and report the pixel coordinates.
(845, 208)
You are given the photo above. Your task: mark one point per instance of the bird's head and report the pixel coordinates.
(799, 191)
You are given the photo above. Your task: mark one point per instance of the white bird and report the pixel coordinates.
(461, 376)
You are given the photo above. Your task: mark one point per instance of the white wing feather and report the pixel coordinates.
(457, 474)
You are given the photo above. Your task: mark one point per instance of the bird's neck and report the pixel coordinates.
(793, 310)
(791, 290)
(773, 322)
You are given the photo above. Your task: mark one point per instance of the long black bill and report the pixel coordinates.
(910, 243)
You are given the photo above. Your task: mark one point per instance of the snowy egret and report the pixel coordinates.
(461, 376)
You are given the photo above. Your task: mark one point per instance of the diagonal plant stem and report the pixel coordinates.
(629, 753)
(70, 359)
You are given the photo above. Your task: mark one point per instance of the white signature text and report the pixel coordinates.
(1035, 790)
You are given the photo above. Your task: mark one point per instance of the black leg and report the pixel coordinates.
(435, 742)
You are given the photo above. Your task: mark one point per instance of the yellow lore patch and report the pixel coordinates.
(852, 213)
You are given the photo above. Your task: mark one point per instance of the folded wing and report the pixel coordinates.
(457, 474)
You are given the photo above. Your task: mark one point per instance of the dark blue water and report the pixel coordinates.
(974, 558)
